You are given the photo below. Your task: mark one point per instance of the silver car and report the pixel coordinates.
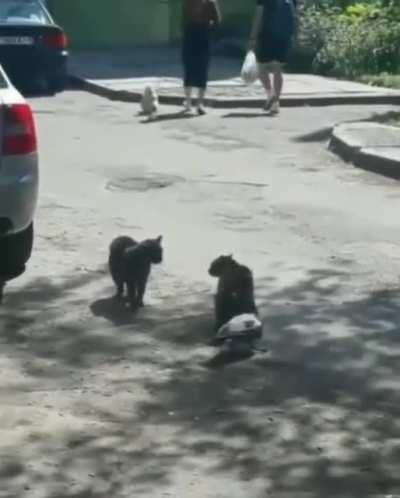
(19, 179)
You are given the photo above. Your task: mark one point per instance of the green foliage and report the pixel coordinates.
(316, 24)
(364, 47)
(361, 12)
(358, 38)
(383, 79)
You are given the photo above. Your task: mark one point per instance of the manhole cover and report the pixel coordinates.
(142, 183)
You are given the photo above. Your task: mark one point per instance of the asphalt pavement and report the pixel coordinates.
(99, 403)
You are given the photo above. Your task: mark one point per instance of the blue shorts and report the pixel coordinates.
(270, 48)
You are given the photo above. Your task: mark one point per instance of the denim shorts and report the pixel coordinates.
(270, 48)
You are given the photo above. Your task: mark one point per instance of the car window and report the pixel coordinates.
(22, 11)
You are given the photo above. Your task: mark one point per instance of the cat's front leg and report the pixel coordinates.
(120, 290)
(220, 311)
(132, 296)
(141, 292)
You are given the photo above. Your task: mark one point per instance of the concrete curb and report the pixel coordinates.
(237, 102)
(102, 91)
(367, 158)
(379, 158)
(342, 148)
(372, 160)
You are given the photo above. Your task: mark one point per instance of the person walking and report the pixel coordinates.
(199, 18)
(274, 26)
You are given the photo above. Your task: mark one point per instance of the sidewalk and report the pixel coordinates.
(123, 74)
(368, 145)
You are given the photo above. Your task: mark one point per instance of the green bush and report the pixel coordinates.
(315, 24)
(361, 12)
(351, 49)
(382, 79)
(360, 38)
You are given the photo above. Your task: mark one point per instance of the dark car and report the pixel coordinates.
(33, 48)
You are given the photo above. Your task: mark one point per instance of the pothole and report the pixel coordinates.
(142, 183)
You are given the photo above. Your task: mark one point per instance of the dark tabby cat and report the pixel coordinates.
(235, 292)
(130, 264)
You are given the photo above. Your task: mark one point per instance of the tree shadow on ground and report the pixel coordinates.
(247, 115)
(322, 135)
(171, 116)
(385, 117)
(117, 311)
(317, 415)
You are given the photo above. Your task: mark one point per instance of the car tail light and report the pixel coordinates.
(57, 41)
(19, 130)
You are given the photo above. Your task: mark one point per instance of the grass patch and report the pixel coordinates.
(384, 79)
(391, 118)
(389, 81)
(394, 120)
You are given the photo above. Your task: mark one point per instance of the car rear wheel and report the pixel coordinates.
(57, 83)
(15, 251)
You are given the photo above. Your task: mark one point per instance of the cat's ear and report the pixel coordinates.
(159, 239)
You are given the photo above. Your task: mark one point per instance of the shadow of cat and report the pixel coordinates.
(247, 115)
(224, 358)
(168, 117)
(116, 310)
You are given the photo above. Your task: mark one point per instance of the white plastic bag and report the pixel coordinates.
(249, 73)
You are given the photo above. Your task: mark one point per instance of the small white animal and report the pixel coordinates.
(240, 334)
(149, 102)
(247, 326)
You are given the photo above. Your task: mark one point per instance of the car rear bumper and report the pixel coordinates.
(39, 64)
(19, 183)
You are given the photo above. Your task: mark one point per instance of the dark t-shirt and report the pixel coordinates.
(267, 4)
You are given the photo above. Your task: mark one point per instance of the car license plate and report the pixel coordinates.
(16, 40)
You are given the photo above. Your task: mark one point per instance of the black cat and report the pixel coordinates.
(130, 264)
(235, 292)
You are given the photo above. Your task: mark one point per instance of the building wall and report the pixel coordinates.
(236, 17)
(113, 23)
(121, 23)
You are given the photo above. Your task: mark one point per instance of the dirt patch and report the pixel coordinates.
(142, 183)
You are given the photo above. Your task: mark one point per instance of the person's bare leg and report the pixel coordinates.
(272, 103)
(188, 99)
(200, 101)
(276, 68)
(263, 71)
(278, 79)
